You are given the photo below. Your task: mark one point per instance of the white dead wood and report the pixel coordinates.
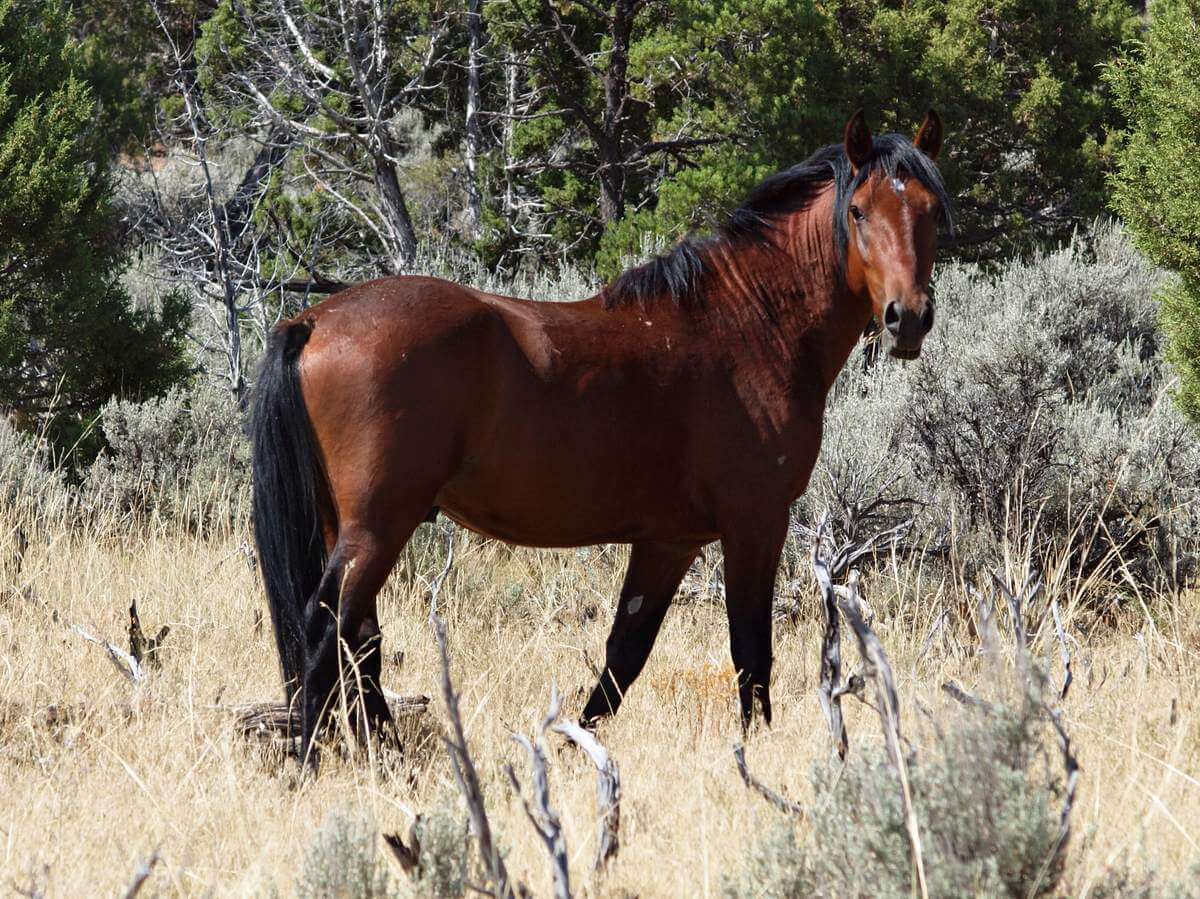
(608, 789)
(125, 663)
(540, 814)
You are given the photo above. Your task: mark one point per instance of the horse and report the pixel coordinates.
(681, 405)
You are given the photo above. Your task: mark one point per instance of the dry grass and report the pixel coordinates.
(115, 772)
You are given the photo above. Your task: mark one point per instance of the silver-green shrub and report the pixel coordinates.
(32, 487)
(343, 861)
(1040, 405)
(444, 863)
(184, 455)
(985, 797)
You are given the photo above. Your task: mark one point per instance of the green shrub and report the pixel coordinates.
(1156, 185)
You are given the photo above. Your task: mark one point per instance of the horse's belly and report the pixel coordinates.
(534, 507)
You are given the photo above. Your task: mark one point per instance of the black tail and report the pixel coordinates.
(287, 475)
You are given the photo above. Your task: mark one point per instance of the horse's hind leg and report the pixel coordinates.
(342, 629)
(654, 573)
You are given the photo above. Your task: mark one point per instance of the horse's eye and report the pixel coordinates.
(857, 214)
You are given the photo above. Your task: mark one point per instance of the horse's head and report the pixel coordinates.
(893, 216)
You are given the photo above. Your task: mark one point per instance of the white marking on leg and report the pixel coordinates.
(635, 604)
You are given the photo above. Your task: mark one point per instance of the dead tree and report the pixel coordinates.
(207, 233)
(473, 144)
(346, 119)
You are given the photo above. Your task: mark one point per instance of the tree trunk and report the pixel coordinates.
(612, 125)
(474, 137)
(401, 235)
(510, 109)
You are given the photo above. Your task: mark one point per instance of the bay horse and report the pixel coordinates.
(681, 405)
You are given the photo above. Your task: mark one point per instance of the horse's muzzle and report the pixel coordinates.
(908, 326)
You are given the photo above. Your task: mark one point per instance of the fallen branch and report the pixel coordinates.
(778, 800)
(608, 790)
(126, 664)
(270, 722)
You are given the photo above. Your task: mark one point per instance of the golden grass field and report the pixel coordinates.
(124, 771)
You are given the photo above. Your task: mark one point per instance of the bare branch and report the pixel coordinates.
(543, 818)
(831, 651)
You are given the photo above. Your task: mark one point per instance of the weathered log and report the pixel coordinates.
(270, 722)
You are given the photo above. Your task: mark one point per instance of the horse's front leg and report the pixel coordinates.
(751, 562)
(653, 576)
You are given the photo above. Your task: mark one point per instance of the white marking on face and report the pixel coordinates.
(898, 185)
(635, 604)
(781, 459)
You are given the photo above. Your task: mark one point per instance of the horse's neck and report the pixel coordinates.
(787, 303)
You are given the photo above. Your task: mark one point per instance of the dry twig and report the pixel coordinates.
(459, 753)
(778, 800)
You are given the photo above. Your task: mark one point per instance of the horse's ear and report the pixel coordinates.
(929, 135)
(857, 140)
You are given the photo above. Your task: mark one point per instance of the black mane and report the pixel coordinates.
(680, 272)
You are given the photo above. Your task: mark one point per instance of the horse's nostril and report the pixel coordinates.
(891, 317)
(927, 318)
